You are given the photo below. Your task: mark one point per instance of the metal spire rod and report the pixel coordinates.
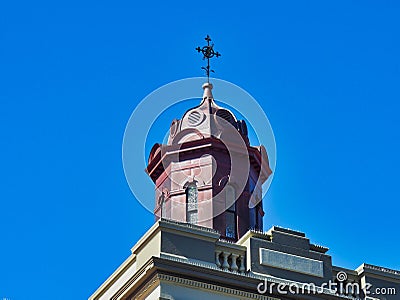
(208, 52)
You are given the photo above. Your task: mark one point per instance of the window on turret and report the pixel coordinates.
(191, 204)
(252, 210)
(230, 219)
(256, 217)
(253, 217)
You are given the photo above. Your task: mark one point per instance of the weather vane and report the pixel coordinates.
(208, 52)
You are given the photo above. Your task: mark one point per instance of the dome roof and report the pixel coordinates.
(205, 120)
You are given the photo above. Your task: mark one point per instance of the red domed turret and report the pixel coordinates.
(208, 174)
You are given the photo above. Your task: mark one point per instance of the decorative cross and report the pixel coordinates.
(208, 52)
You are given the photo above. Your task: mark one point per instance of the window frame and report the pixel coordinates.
(230, 212)
(192, 206)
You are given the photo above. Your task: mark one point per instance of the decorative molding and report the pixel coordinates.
(193, 262)
(211, 266)
(287, 231)
(381, 269)
(188, 225)
(226, 244)
(146, 288)
(212, 287)
(318, 248)
(367, 267)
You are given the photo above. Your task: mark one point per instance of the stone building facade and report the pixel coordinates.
(208, 240)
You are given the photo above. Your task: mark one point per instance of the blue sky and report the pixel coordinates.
(71, 73)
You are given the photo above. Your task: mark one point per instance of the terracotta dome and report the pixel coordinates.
(205, 120)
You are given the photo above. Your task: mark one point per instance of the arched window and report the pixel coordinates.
(191, 203)
(256, 217)
(230, 213)
(253, 217)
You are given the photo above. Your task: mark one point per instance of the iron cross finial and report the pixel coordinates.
(208, 52)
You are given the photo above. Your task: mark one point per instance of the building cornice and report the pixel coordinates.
(222, 244)
(146, 237)
(379, 272)
(189, 272)
(212, 287)
(176, 227)
(254, 234)
(114, 277)
(159, 162)
(189, 228)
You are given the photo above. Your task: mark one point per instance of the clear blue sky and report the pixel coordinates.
(326, 73)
